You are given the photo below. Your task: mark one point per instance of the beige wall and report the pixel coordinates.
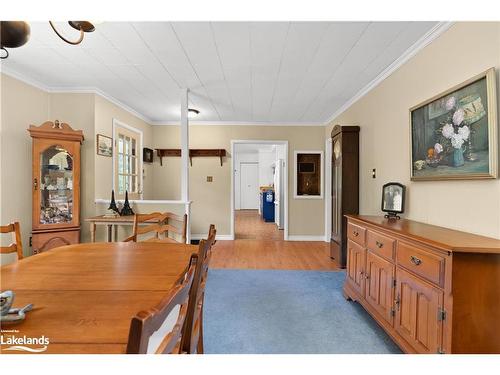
(211, 200)
(105, 112)
(22, 105)
(465, 50)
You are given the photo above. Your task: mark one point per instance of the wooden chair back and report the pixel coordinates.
(155, 321)
(211, 234)
(160, 224)
(193, 338)
(16, 245)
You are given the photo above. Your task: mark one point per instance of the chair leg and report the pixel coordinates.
(199, 348)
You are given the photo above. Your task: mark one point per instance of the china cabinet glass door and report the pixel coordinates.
(56, 194)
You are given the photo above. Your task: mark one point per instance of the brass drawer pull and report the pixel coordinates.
(379, 244)
(416, 261)
(356, 234)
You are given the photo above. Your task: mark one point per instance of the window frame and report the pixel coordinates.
(138, 135)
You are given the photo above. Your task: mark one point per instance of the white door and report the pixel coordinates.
(249, 186)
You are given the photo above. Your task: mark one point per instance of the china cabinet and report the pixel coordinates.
(55, 185)
(345, 187)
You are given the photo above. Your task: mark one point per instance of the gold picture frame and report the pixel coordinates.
(443, 142)
(104, 145)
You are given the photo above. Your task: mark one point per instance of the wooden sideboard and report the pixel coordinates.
(432, 289)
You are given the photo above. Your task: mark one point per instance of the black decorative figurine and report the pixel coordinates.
(126, 210)
(112, 205)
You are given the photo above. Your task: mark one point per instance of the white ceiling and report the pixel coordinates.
(279, 72)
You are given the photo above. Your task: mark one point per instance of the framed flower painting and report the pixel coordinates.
(454, 134)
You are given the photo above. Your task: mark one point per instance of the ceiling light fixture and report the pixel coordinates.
(193, 112)
(82, 26)
(13, 34)
(17, 33)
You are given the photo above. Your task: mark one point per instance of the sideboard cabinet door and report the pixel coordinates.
(356, 266)
(379, 290)
(418, 305)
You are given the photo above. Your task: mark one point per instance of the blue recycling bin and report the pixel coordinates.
(267, 205)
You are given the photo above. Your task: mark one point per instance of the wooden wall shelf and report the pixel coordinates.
(218, 152)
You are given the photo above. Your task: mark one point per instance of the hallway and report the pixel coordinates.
(260, 245)
(250, 226)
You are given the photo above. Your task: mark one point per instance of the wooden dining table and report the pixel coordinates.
(85, 295)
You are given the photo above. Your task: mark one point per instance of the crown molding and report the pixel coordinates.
(420, 44)
(20, 77)
(237, 123)
(71, 90)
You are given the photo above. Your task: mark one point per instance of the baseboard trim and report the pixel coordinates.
(218, 237)
(306, 238)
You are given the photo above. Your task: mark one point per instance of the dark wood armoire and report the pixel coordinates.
(345, 187)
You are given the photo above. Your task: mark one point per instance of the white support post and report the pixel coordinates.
(185, 153)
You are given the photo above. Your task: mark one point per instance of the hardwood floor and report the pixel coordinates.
(260, 245)
(249, 226)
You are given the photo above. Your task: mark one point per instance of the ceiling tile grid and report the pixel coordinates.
(255, 72)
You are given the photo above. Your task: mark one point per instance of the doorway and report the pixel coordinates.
(259, 190)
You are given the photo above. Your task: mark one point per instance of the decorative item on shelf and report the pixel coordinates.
(112, 204)
(393, 199)
(453, 134)
(11, 315)
(111, 214)
(126, 210)
(147, 155)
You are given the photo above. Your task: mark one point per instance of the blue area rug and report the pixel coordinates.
(280, 312)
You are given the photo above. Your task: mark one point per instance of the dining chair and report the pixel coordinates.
(211, 234)
(16, 245)
(159, 330)
(162, 226)
(192, 341)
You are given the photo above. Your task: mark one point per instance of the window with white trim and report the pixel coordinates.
(127, 162)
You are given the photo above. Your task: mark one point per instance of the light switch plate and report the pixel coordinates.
(210, 178)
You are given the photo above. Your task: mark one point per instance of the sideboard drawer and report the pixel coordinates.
(422, 262)
(380, 244)
(356, 233)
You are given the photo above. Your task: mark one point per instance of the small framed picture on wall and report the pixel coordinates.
(104, 145)
(147, 155)
(308, 176)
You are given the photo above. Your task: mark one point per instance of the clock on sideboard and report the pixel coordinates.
(345, 187)
(55, 185)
